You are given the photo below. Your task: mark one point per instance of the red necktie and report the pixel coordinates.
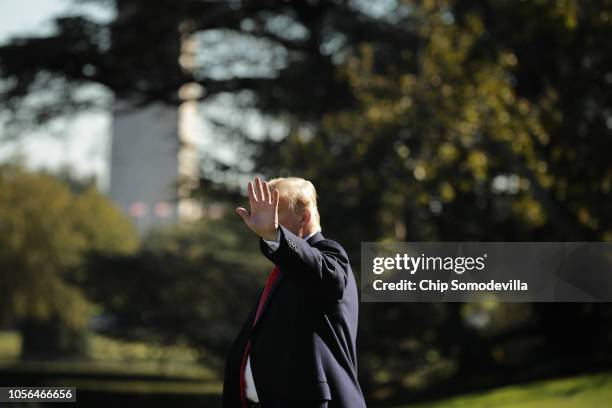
(272, 277)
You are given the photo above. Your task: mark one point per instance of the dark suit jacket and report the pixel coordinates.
(303, 351)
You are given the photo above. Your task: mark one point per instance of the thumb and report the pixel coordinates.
(275, 198)
(243, 213)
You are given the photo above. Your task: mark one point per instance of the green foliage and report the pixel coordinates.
(469, 135)
(445, 143)
(435, 120)
(192, 284)
(45, 233)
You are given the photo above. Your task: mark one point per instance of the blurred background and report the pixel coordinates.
(128, 129)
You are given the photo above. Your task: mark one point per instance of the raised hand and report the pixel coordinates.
(263, 217)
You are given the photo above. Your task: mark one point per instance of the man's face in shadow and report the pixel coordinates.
(289, 220)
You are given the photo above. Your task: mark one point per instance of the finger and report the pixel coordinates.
(258, 189)
(266, 192)
(252, 198)
(243, 213)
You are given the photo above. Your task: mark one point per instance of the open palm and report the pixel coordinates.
(263, 217)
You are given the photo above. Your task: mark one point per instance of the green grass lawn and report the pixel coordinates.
(109, 355)
(592, 391)
(127, 367)
(186, 376)
(10, 345)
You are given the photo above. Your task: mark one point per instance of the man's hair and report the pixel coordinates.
(299, 193)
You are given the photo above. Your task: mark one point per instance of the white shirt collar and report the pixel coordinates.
(311, 235)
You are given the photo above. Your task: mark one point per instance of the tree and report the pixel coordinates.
(432, 120)
(461, 140)
(46, 232)
(136, 56)
(191, 284)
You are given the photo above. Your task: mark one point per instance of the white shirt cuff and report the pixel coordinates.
(274, 244)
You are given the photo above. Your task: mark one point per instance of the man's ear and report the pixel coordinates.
(306, 216)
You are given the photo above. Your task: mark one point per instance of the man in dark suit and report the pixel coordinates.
(297, 348)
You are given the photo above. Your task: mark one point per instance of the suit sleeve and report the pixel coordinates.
(273, 244)
(321, 271)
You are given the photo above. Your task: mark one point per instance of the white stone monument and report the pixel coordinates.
(154, 161)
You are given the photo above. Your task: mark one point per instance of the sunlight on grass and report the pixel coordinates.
(111, 356)
(139, 356)
(592, 391)
(10, 345)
